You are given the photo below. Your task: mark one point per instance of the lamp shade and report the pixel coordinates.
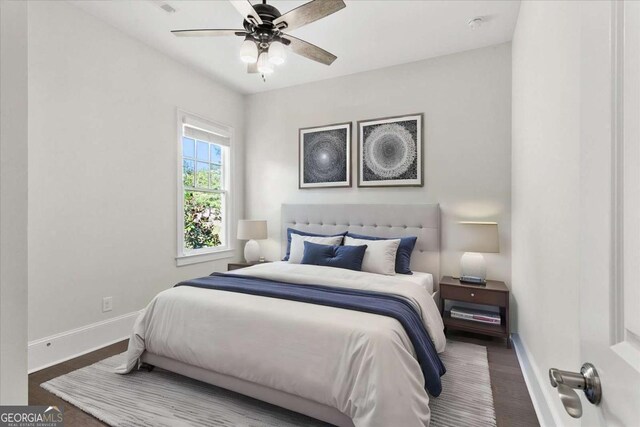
(249, 52)
(264, 66)
(277, 53)
(252, 229)
(472, 236)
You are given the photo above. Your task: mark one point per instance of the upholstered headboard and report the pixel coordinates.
(420, 220)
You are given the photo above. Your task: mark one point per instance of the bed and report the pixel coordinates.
(344, 367)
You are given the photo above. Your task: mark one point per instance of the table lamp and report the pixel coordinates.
(252, 230)
(476, 238)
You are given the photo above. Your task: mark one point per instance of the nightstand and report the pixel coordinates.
(493, 293)
(238, 265)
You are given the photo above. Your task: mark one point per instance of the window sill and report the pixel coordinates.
(205, 257)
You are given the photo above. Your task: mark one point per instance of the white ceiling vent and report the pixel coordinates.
(164, 6)
(476, 22)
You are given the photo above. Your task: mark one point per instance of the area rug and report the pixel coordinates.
(164, 399)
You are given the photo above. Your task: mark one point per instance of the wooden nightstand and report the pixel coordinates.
(238, 265)
(493, 293)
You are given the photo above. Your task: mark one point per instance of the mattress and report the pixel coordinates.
(419, 278)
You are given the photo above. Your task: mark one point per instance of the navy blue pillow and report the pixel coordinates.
(304, 233)
(405, 249)
(349, 257)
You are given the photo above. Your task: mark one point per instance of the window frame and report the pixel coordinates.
(226, 250)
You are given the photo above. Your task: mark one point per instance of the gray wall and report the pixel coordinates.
(102, 167)
(546, 186)
(13, 203)
(466, 101)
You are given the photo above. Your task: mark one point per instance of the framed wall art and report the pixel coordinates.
(390, 152)
(325, 156)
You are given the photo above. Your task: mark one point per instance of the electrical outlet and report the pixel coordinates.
(107, 304)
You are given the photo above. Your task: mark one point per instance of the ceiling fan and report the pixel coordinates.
(266, 33)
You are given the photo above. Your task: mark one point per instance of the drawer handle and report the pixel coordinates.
(472, 294)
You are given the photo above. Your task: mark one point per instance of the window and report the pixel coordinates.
(204, 190)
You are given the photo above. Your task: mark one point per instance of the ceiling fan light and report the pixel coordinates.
(249, 52)
(277, 53)
(264, 66)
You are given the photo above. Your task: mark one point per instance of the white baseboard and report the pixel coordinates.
(547, 412)
(61, 347)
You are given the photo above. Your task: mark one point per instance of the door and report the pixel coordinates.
(610, 208)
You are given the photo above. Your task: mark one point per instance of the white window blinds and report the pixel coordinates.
(203, 135)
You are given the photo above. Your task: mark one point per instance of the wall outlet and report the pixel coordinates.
(107, 304)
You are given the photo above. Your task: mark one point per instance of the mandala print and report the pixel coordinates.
(390, 151)
(325, 156)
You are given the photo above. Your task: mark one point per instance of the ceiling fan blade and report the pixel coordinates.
(247, 11)
(309, 50)
(208, 33)
(252, 68)
(308, 13)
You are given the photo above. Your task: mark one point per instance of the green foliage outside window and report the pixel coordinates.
(202, 210)
(202, 219)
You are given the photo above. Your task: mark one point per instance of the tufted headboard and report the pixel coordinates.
(421, 220)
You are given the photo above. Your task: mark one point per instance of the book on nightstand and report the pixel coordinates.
(481, 316)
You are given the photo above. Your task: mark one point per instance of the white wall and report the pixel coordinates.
(545, 209)
(13, 203)
(102, 167)
(466, 101)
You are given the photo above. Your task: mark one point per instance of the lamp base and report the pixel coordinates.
(252, 251)
(473, 268)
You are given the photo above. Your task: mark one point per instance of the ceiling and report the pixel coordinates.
(366, 35)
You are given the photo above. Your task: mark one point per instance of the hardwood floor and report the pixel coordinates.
(73, 417)
(511, 398)
(510, 395)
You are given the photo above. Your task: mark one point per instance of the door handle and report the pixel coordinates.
(586, 380)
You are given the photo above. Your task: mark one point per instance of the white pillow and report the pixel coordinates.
(380, 256)
(297, 245)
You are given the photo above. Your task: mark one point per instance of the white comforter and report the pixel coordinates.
(360, 363)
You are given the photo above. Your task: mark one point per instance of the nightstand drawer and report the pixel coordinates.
(479, 296)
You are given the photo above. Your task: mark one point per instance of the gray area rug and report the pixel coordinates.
(164, 399)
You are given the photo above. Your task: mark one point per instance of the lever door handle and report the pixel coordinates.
(586, 380)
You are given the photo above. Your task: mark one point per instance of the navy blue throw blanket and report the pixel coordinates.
(353, 299)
